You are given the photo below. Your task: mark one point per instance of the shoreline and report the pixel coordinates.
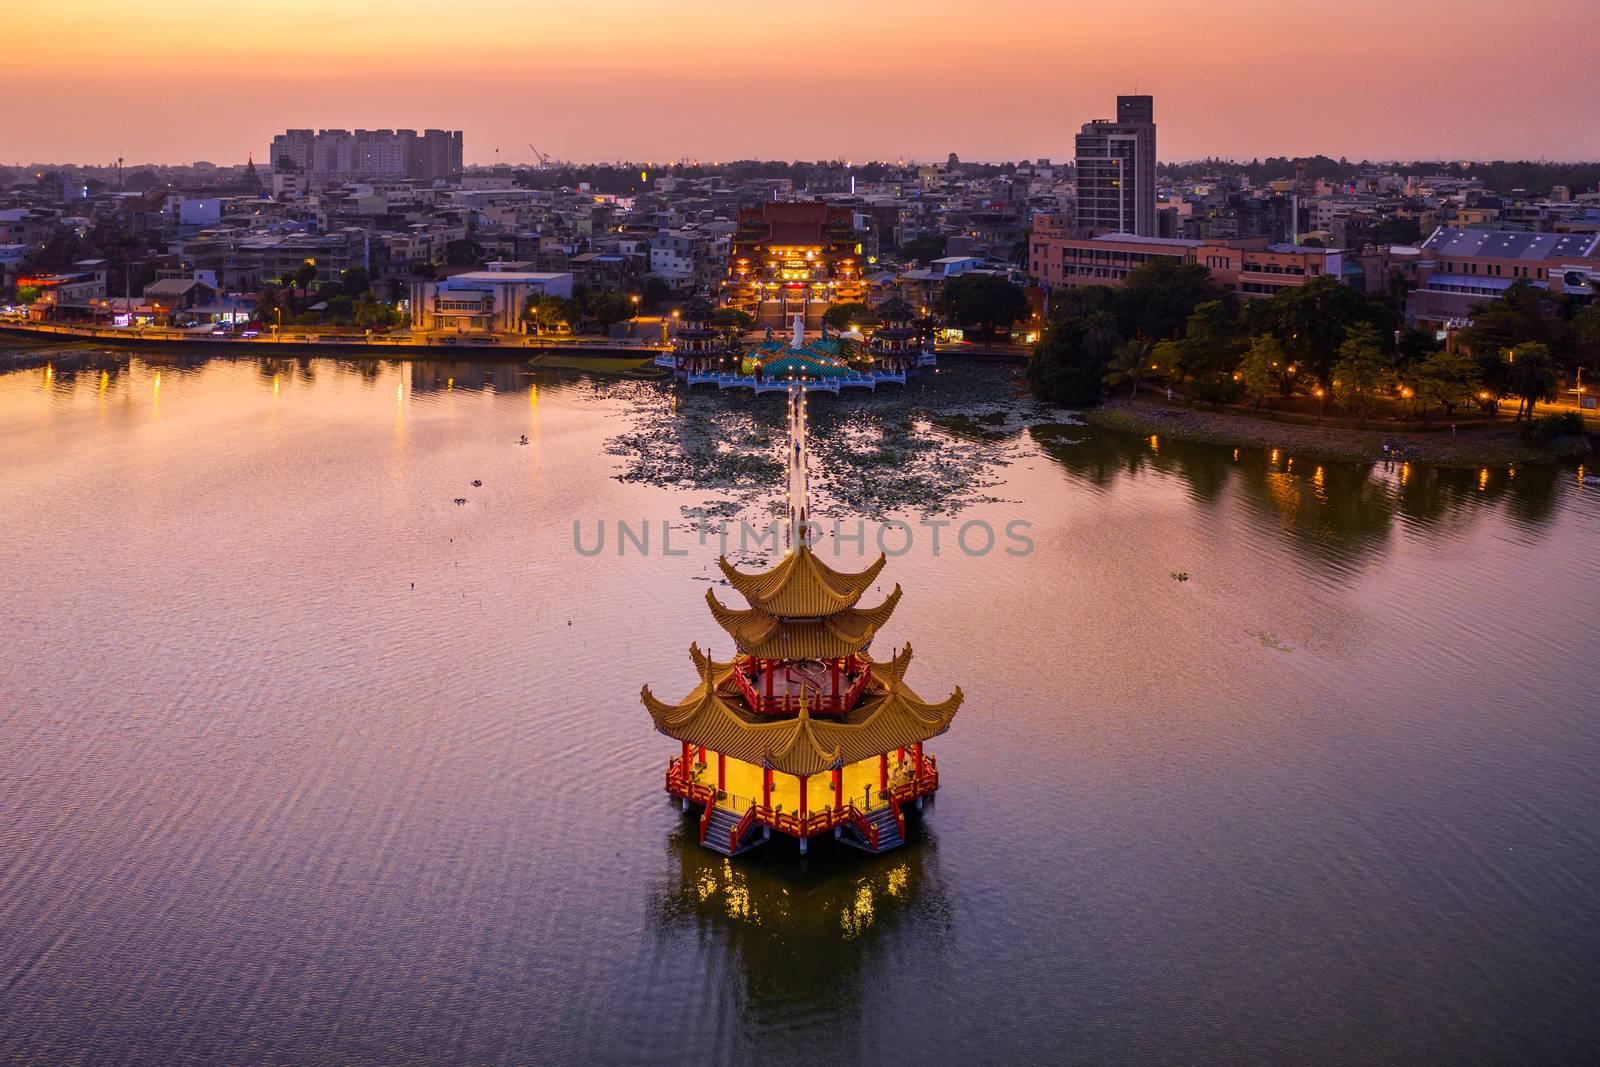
(1476, 446)
(388, 346)
(49, 347)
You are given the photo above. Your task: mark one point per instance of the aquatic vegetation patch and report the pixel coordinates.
(935, 447)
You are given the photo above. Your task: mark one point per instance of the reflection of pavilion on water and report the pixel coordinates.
(802, 731)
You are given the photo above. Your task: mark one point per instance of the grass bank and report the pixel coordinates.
(627, 365)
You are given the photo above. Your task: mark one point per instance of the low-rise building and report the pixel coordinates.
(1060, 256)
(1458, 269)
(482, 301)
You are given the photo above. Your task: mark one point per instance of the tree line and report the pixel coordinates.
(1324, 340)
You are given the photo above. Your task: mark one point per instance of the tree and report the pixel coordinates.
(1211, 344)
(1523, 313)
(305, 276)
(1157, 298)
(340, 310)
(1362, 372)
(983, 300)
(1311, 321)
(1396, 230)
(842, 316)
(1415, 345)
(923, 249)
(1261, 369)
(1129, 364)
(550, 313)
(355, 281)
(463, 252)
(607, 308)
(1446, 379)
(372, 314)
(1531, 376)
(727, 318)
(1068, 365)
(1586, 331)
(656, 292)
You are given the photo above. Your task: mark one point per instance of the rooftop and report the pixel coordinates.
(1512, 244)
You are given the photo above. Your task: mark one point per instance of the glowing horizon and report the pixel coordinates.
(710, 80)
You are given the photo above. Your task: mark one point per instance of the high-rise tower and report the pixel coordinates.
(1117, 170)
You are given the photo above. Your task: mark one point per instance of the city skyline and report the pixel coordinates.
(896, 80)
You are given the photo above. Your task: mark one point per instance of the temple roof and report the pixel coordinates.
(889, 716)
(801, 586)
(840, 633)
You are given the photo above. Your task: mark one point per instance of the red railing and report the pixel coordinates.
(705, 820)
(863, 826)
(814, 822)
(747, 689)
(789, 703)
(737, 833)
(854, 692)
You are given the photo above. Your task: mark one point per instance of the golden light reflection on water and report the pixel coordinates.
(1285, 495)
(857, 915)
(735, 892)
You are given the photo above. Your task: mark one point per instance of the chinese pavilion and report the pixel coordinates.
(699, 347)
(897, 344)
(801, 730)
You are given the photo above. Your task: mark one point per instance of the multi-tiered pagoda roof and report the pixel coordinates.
(889, 716)
(801, 696)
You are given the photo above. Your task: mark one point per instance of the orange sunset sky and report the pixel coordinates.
(87, 81)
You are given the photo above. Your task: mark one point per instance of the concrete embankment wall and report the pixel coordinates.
(369, 350)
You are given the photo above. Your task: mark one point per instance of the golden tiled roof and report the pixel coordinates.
(801, 586)
(889, 716)
(840, 633)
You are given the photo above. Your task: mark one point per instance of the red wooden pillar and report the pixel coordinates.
(917, 748)
(838, 789)
(834, 671)
(883, 771)
(684, 768)
(702, 753)
(766, 787)
(722, 772)
(803, 778)
(767, 667)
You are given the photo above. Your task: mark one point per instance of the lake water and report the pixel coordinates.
(301, 761)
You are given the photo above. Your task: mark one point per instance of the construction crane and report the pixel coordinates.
(544, 160)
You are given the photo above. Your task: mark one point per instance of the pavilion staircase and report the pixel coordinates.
(723, 833)
(886, 822)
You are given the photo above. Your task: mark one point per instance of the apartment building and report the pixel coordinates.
(1116, 167)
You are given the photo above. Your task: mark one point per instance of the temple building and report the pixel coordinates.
(800, 729)
(793, 258)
